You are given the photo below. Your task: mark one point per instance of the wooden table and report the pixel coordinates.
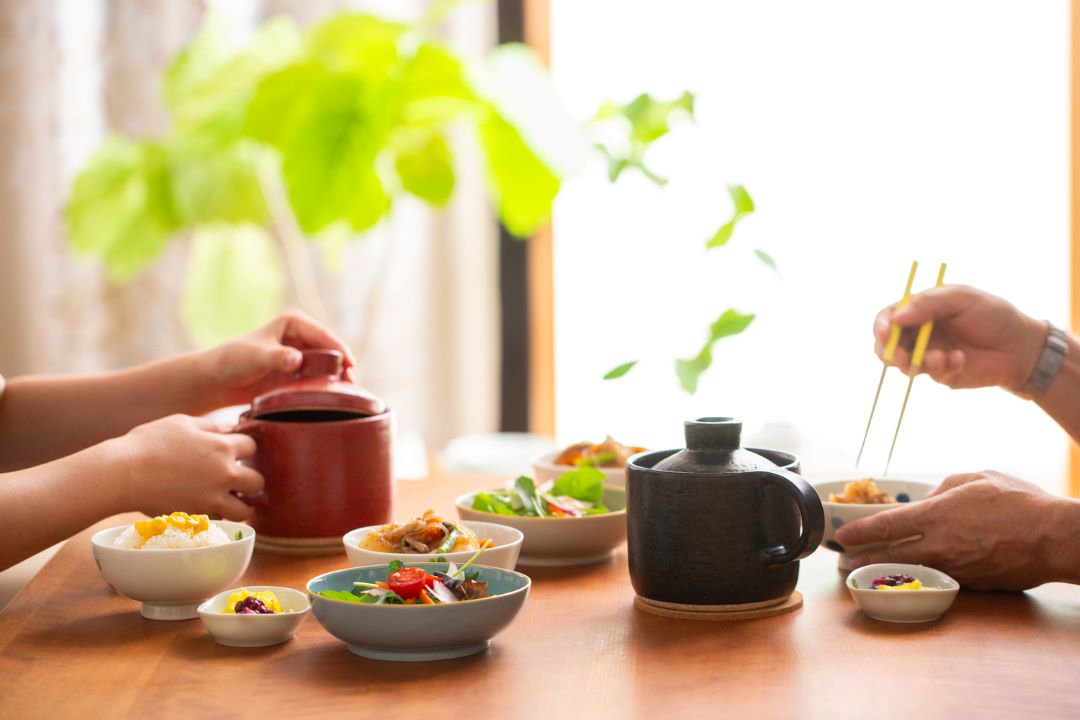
(70, 647)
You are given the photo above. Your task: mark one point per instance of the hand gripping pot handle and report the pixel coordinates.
(251, 429)
(813, 517)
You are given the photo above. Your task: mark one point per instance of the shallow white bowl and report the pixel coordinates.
(544, 469)
(557, 542)
(838, 514)
(170, 584)
(255, 630)
(903, 606)
(503, 555)
(418, 632)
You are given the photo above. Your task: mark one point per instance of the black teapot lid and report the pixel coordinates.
(713, 447)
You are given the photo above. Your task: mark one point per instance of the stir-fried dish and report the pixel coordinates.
(576, 493)
(415, 586)
(862, 492)
(429, 533)
(609, 454)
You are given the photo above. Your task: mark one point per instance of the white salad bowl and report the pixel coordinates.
(838, 514)
(561, 541)
(503, 554)
(903, 606)
(418, 632)
(170, 583)
(255, 630)
(544, 469)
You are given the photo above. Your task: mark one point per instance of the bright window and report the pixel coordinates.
(869, 134)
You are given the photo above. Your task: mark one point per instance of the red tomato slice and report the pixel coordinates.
(407, 582)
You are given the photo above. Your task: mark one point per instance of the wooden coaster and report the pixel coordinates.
(298, 547)
(747, 611)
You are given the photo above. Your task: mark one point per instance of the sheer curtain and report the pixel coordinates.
(417, 297)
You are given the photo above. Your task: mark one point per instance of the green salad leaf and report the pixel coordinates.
(526, 490)
(585, 483)
(345, 595)
(394, 566)
(490, 502)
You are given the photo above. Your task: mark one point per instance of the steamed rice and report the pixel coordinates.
(172, 539)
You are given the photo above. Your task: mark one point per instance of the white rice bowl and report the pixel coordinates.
(172, 539)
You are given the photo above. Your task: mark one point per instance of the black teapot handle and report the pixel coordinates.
(813, 517)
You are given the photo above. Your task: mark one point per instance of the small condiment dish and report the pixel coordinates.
(902, 606)
(255, 630)
(561, 541)
(170, 583)
(418, 632)
(503, 553)
(544, 469)
(839, 514)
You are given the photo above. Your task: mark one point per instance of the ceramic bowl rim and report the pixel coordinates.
(518, 539)
(953, 587)
(884, 506)
(276, 589)
(96, 541)
(462, 505)
(311, 595)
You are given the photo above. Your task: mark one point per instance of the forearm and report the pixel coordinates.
(1061, 400)
(49, 503)
(44, 418)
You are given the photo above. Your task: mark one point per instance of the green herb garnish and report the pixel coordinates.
(239, 535)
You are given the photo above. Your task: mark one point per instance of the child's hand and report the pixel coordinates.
(248, 366)
(189, 464)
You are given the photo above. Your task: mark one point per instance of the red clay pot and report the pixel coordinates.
(324, 451)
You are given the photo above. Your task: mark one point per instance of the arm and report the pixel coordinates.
(1061, 400)
(43, 418)
(177, 463)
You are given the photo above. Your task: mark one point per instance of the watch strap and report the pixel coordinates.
(1050, 361)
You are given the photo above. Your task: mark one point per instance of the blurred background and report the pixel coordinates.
(835, 141)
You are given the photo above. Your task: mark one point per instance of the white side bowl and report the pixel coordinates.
(903, 606)
(544, 469)
(170, 584)
(558, 542)
(838, 514)
(504, 554)
(255, 630)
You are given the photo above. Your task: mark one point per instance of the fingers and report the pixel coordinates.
(884, 526)
(231, 507)
(242, 446)
(296, 329)
(931, 304)
(247, 481)
(953, 481)
(916, 552)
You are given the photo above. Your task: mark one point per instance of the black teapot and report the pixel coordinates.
(716, 524)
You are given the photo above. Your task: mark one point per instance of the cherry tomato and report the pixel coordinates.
(407, 582)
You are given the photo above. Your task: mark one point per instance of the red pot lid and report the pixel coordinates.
(319, 384)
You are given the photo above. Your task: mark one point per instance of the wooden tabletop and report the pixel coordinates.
(71, 647)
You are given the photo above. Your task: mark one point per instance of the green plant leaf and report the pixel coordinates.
(620, 370)
(743, 205)
(632, 128)
(650, 119)
(523, 186)
(356, 43)
(234, 282)
(426, 169)
(433, 89)
(329, 140)
(586, 483)
(690, 370)
(766, 258)
(121, 207)
(212, 183)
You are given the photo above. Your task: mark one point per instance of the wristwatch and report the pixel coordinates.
(1050, 362)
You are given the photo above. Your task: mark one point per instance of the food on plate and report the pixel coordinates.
(174, 531)
(429, 533)
(415, 586)
(245, 602)
(896, 582)
(576, 493)
(609, 454)
(862, 492)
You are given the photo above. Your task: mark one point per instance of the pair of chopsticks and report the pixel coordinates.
(917, 355)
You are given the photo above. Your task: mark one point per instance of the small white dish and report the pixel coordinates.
(413, 633)
(255, 630)
(170, 583)
(838, 514)
(503, 554)
(565, 541)
(544, 469)
(902, 606)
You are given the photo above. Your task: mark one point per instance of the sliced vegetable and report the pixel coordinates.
(407, 582)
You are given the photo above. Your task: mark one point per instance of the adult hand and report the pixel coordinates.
(248, 366)
(988, 530)
(979, 339)
(189, 464)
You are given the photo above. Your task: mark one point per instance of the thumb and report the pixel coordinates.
(282, 358)
(931, 304)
